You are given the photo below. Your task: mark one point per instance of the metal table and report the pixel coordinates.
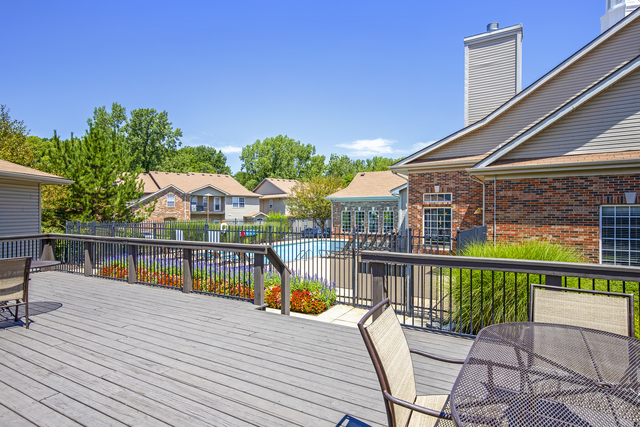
(536, 374)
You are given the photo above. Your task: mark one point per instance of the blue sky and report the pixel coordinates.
(361, 78)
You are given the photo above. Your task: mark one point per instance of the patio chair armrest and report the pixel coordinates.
(440, 358)
(414, 407)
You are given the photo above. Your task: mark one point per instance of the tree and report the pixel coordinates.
(307, 200)
(280, 157)
(103, 186)
(149, 138)
(113, 121)
(346, 169)
(200, 159)
(14, 146)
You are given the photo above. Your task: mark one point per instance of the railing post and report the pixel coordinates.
(88, 259)
(187, 281)
(48, 252)
(377, 295)
(133, 263)
(258, 280)
(285, 291)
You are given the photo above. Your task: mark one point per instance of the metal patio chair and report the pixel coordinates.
(391, 358)
(14, 285)
(606, 311)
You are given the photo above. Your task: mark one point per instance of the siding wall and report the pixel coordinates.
(608, 123)
(251, 204)
(20, 207)
(491, 76)
(616, 51)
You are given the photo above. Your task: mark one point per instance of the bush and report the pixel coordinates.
(482, 298)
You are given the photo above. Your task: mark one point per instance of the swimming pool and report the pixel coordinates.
(307, 248)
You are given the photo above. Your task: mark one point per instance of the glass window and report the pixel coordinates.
(171, 200)
(360, 221)
(194, 203)
(437, 222)
(346, 221)
(270, 204)
(620, 235)
(216, 204)
(437, 197)
(387, 221)
(374, 221)
(205, 202)
(238, 202)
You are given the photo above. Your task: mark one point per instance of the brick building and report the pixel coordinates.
(558, 160)
(368, 205)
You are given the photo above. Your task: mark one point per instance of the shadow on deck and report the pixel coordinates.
(103, 352)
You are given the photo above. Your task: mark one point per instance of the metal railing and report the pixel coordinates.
(462, 295)
(224, 269)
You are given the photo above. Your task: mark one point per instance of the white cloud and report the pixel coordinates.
(229, 149)
(370, 147)
(420, 145)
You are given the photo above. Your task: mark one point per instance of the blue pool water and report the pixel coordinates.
(307, 248)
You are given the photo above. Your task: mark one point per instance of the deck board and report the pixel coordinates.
(103, 352)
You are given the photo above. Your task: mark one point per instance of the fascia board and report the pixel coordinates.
(573, 166)
(36, 178)
(145, 198)
(564, 111)
(398, 189)
(524, 93)
(426, 167)
(493, 35)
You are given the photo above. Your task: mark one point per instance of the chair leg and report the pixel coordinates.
(26, 313)
(17, 309)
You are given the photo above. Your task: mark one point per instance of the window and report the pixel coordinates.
(620, 235)
(194, 203)
(387, 221)
(238, 202)
(437, 197)
(346, 221)
(171, 200)
(205, 202)
(360, 221)
(216, 204)
(270, 204)
(374, 221)
(437, 222)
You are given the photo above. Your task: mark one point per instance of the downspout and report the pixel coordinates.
(479, 181)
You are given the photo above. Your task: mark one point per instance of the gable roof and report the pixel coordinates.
(189, 182)
(23, 173)
(491, 142)
(371, 186)
(283, 184)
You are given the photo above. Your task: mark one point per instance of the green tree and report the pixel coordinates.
(280, 157)
(103, 185)
(109, 121)
(201, 159)
(14, 146)
(307, 200)
(346, 168)
(150, 138)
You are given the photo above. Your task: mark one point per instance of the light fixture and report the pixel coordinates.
(436, 188)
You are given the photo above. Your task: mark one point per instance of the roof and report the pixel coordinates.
(188, 182)
(415, 158)
(15, 171)
(254, 214)
(283, 184)
(597, 157)
(371, 185)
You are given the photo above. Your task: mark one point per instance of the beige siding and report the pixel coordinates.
(492, 76)
(251, 204)
(608, 123)
(19, 207)
(268, 188)
(616, 51)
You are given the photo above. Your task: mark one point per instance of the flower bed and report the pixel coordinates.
(309, 294)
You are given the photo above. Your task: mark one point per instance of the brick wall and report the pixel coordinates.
(180, 212)
(380, 206)
(467, 198)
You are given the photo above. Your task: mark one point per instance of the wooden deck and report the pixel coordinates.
(102, 352)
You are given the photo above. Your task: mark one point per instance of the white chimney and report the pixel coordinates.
(615, 11)
(492, 70)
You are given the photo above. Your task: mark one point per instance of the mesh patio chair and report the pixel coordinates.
(14, 285)
(606, 311)
(391, 358)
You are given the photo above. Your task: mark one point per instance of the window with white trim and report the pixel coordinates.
(194, 203)
(346, 221)
(360, 215)
(217, 207)
(205, 202)
(238, 202)
(387, 221)
(374, 221)
(171, 200)
(437, 197)
(270, 204)
(437, 222)
(620, 235)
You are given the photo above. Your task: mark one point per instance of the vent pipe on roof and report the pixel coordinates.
(493, 26)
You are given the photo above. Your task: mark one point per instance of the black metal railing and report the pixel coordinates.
(464, 294)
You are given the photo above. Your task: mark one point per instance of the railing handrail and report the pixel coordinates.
(551, 268)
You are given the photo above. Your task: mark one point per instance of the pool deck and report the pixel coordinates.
(105, 353)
